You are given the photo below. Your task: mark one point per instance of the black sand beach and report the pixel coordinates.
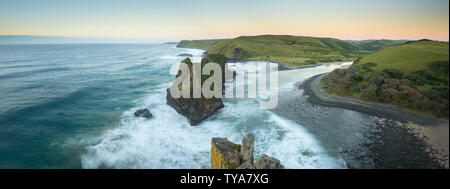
(313, 89)
(396, 139)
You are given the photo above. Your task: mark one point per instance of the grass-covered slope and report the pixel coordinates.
(414, 75)
(292, 50)
(409, 57)
(200, 44)
(375, 45)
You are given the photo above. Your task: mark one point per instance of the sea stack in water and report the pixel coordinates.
(227, 155)
(198, 109)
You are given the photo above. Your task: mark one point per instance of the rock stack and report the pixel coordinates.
(227, 155)
(143, 113)
(198, 109)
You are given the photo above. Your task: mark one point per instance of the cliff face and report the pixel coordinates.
(194, 109)
(198, 109)
(227, 155)
(224, 154)
(267, 162)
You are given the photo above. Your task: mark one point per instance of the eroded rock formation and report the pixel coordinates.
(267, 162)
(185, 55)
(227, 155)
(224, 154)
(247, 149)
(198, 109)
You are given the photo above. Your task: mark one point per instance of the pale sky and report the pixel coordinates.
(201, 19)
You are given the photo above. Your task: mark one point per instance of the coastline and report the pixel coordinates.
(389, 142)
(313, 89)
(281, 66)
(425, 136)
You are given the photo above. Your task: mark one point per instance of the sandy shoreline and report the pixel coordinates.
(434, 132)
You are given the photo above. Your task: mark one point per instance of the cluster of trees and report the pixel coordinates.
(423, 90)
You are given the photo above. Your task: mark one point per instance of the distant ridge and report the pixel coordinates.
(291, 50)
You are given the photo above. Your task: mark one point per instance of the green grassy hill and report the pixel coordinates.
(413, 75)
(375, 45)
(200, 44)
(291, 50)
(409, 57)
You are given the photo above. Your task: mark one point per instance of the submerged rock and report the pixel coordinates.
(267, 162)
(143, 113)
(198, 109)
(227, 155)
(186, 55)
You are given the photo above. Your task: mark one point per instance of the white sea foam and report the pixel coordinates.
(168, 141)
(196, 57)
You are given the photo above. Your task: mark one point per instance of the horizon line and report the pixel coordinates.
(178, 39)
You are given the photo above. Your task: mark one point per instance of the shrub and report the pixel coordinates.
(368, 66)
(369, 92)
(392, 86)
(393, 73)
(440, 67)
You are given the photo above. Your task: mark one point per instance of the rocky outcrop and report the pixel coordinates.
(185, 55)
(246, 165)
(219, 59)
(143, 113)
(267, 162)
(194, 109)
(224, 154)
(198, 109)
(227, 155)
(247, 148)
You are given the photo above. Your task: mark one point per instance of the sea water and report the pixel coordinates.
(71, 106)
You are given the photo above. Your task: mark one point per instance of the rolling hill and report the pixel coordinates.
(408, 57)
(413, 75)
(291, 50)
(375, 45)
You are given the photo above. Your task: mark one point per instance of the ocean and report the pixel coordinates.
(72, 105)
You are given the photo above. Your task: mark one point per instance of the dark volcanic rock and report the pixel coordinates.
(198, 109)
(246, 165)
(227, 155)
(143, 113)
(194, 109)
(224, 154)
(247, 148)
(393, 144)
(267, 162)
(186, 55)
